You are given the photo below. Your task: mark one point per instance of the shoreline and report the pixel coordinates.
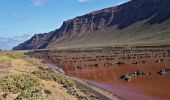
(99, 92)
(92, 89)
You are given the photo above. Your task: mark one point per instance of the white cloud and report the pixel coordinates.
(38, 2)
(9, 43)
(82, 1)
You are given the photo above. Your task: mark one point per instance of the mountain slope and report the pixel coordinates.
(137, 22)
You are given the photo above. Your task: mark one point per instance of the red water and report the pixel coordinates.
(153, 87)
(142, 88)
(124, 92)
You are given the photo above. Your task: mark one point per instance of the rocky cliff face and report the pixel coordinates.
(38, 41)
(135, 21)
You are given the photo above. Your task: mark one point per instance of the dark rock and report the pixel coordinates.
(84, 91)
(126, 77)
(135, 62)
(83, 98)
(129, 76)
(162, 72)
(71, 91)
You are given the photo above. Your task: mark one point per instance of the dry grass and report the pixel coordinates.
(4, 59)
(13, 54)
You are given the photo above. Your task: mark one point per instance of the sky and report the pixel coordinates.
(21, 19)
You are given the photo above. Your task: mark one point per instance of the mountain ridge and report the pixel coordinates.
(136, 22)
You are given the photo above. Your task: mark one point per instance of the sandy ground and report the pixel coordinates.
(58, 93)
(19, 66)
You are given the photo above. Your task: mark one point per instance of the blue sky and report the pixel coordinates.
(20, 19)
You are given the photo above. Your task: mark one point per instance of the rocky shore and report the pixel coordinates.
(87, 91)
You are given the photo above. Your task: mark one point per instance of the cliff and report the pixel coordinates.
(137, 22)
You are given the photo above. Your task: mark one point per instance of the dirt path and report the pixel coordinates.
(19, 66)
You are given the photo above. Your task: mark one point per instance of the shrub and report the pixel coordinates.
(60, 78)
(42, 75)
(29, 87)
(4, 59)
(19, 83)
(30, 94)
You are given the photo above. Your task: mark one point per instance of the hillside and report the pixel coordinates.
(137, 22)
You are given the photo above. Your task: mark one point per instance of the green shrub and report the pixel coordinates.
(29, 87)
(42, 75)
(70, 83)
(60, 78)
(19, 83)
(30, 94)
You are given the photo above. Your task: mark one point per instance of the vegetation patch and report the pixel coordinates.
(4, 59)
(35, 62)
(18, 83)
(50, 76)
(31, 94)
(16, 54)
(13, 54)
(27, 85)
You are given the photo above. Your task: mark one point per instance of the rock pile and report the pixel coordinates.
(129, 76)
(162, 72)
(72, 91)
